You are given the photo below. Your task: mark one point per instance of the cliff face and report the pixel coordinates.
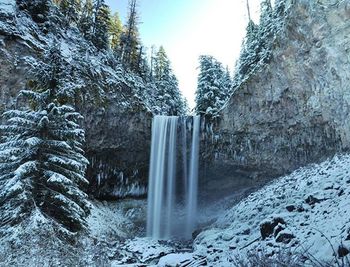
(117, 122)
(118, 145)
(294, 109)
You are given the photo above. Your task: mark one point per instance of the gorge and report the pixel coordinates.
(271, 165)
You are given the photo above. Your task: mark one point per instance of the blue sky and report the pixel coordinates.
(190, 28)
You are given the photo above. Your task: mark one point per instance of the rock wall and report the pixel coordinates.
(118, 146)
(295, 109)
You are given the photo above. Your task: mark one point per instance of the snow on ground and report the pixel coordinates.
(7, 6)
(116, 220)
(306, 211)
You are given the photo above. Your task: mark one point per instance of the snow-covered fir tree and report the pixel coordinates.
(42, 166)
(101, 25)
(249, 55)
(71, 9)
(168, 96)
(115, 32)
(257, 45)
(86, 20)
(212, 86)
(130, 41)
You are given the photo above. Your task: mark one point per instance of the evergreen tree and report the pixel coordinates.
(42, 166)
(211, 92)
(115, 31)
(161, 64)
(257, 44)
(249, 56)
(129, 42)
(266, 30)
(226, 82)
(168, 95)
(101, 25)
(86, 20)
(71, 9)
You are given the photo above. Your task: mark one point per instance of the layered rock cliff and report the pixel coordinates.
(294, 108)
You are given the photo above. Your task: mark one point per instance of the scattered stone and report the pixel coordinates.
(311, 200)
(246, 231)
(290, 208)
(328, 186)
(284, 237)
(348, 236)
(343, 251)
(300, 208)
(278, 228)
(267, 228)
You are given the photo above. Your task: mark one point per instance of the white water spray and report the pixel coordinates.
(161, 223)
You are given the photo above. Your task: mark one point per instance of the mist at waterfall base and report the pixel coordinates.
(173, 177)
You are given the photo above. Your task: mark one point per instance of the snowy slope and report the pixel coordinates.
(318, 201)
(311, 206)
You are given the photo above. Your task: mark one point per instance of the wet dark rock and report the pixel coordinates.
(343, 251)
(284, 237)
(348, 235)
(311, 200)
(278, 229)
(267, 228)
(341, 192)
(290, 208)
(300, 208)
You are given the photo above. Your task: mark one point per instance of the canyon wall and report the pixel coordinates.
(294, 109)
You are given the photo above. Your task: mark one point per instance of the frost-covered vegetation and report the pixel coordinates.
(41, 160)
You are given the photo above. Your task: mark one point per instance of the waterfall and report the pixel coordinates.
(164, 193)
(193, 179)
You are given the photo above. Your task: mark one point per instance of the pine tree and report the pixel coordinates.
(101, 25)
(161, 64)
(266, 30)
(86, 20)
(42, 166)
(226, 82)
(71, 9)
(129, 42)
(211, 92)
(249, 56)
(115, 31)
(257, 44)
(168, 95)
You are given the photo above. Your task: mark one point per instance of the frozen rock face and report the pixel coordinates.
(118, 145)
(295, 109)
(117, 123)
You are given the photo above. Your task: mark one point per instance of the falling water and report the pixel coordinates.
(193, 178)
(162, 196)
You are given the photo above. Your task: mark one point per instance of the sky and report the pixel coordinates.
(190, 28)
